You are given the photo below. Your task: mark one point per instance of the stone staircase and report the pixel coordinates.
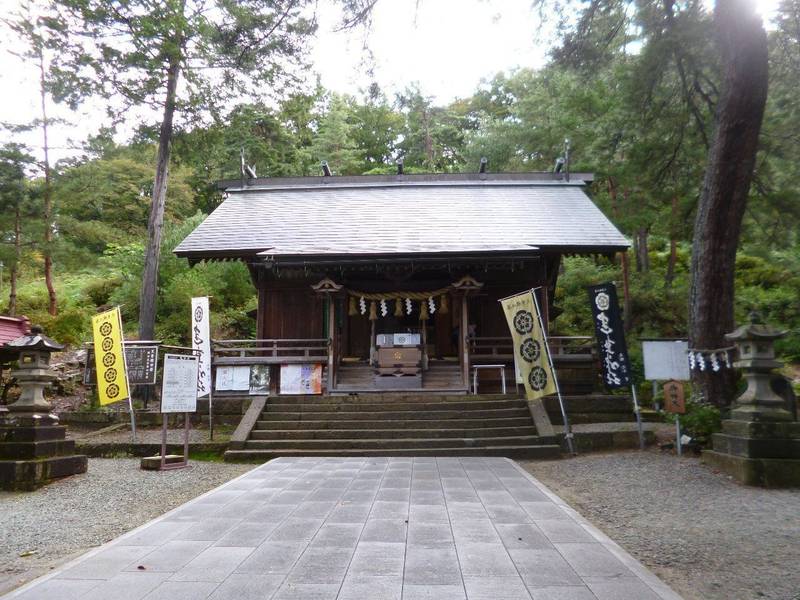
(390, 425)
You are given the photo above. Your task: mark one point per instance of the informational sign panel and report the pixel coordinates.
(665, 359)
(259, 380)
(179, 383)
(301, 379)
(110, 357)
(201, 340)
(674, 397)
(232, 379)
(141, 362)
(610, 335)
(531, 360)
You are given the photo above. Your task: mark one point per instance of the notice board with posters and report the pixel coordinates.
(301, 379)
(179, 383)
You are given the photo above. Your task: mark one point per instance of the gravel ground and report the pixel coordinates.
(66, 518)
(704, 534)
(150, 435)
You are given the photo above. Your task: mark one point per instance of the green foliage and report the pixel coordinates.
(700, 420)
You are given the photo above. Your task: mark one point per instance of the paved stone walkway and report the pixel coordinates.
(363, 529)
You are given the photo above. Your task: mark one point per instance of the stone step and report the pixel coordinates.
(462, 423)
(283, 406)
(337, 434)
(544, 451)
(395, 415)
(394, 444)
(376, 397)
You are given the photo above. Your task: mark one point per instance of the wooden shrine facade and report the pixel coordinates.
(355, 262)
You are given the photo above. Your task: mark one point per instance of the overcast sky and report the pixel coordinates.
(446, 46)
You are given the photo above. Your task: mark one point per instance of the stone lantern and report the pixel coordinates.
(755, 345)
(33, 374)
(760, 442)
(34, 448)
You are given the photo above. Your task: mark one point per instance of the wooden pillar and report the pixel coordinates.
(261, 312)
(464, 345)
(332, 342)
(546, 299)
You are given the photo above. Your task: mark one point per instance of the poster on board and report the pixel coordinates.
(301, 379)
(179, 383)
(259, 380)
(230, 379)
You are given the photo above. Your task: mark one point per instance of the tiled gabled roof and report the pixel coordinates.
(442, 215)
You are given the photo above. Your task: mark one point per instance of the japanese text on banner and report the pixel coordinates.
(112, 375)
(201, 340)
(610, 335)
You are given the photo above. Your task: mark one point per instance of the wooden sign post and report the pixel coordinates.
(178, 395)
(675, 403)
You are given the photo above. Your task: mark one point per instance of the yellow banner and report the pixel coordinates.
(530, 347)
(109, 357)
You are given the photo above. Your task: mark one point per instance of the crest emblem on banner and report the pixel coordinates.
(109, 356)
(530, 350)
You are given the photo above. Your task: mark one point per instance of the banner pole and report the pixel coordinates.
(638, 413)
(211, 411)
(567, 428)
(678, 435)
(133, 418)
(125, 371)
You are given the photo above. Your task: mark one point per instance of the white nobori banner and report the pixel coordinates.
(201, 340)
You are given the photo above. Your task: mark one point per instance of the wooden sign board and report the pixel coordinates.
(141, 362)
(179, 383)
(674, 397)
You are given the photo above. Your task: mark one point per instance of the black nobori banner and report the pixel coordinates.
(610, 335)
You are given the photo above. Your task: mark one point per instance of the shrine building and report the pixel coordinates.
(392, 282)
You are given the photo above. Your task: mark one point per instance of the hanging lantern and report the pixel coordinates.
(409, 308)
(353, 310)
(384, 308)
(443, 304)
(398, 308)
(373, 310)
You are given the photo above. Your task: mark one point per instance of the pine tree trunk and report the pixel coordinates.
(731, 159)
(626, 292)
(14, 271)
(147, 298)
(673, 245)
(48, 197)
(642, 252)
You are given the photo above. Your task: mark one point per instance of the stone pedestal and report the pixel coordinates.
(760, 443)
(34, 449)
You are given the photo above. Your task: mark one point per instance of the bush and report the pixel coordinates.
(700, 420)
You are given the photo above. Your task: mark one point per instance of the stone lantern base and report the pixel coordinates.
(758, 453)
(34, 451)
